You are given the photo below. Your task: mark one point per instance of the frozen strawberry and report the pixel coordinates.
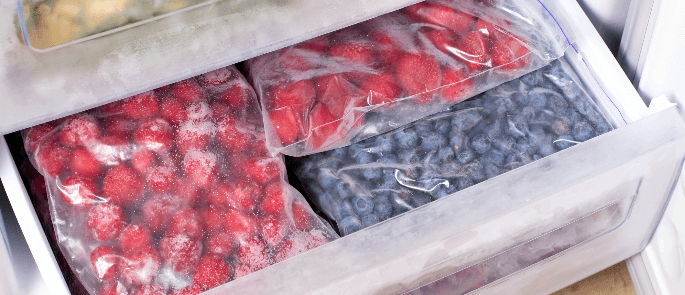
(441, 15)
(296, 59)
(219, 111)
(122, 128)
(134, 235)
(187, 222)
(361, 56)
(277, 197)
(263, 170)
(487, 29)
(189, 290)
(253, 253)
(106, 221)
(80, 130)
(180, 252)
(35, 135)
(200, 167)
(324, 128)
(143, 159)
(188, 91)
(240, 225)
(474, 50)
(318, 45)
(221, 244)
(213, 218)
(381, 89)
(241, 271)
(418, 73)
(509, 55)
(288, 125)
(301, 216)
(105, 262)
(173, 110)
(150, 289)
(199, 112)
(441, 39)
(388, 43)
(142, 106)
(215, 79)
(294, 245)
(165, 90)
(84, 163)
(258, 147)
(458, 86)
(140, 266)
(275, 229)
(237, 97)
(195, 136)
(244, 196)
(53, 158)
(160, 179)
(112, 150)
(218, 194)
(113, 287)
(211, 272)
(298, 96)
(79, 191)
(158, 211)
(233, 134)
(186, 191)
(155, 135)
(122, 185)
(338, 94)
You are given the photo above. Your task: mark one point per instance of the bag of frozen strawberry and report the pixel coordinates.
(373, 77)
(171, 191)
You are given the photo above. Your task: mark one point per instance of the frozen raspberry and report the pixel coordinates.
(194, 136)
(292, 246)
(277, 197)
(239, 224)
(35, 135)
(113, 288)
(237, 97)
(84, 163)
(135, 235)
(122, 185)
(142, 106)
(79, 191)
(140, 266)
(287, 124)
(143, 159)
(80, 130)
(53, 159)
(244, 196)
(216, 78)
(254, 254)
(105, 261)
(263, 170)
(188, 91)
(160, 179)
(173, 111)
(275, 229)
(211, 272)
(158, 211)
(187, 191)
(120, 127)
(151, 289)
(213, 218)
(105, 221)
(241, 271)
(112, 150)
(155, 135)
(180, 252)
(221, 244)
(200, 167)
(234, 135)
(219, 111)
(301, 216)
(190, 290)
(188, 222)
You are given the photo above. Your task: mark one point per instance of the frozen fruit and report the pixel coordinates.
(359, 55)
(122, 128)
(241, 271)
(240, 225)
(274, 229)
(195, 136)
(134, 235)
(186, 191)
(173, 111)
(154, 134)
(293, 246)
(297, 59)
(34, 135)
(324, 127)
(254, 254)
(112, 150)
(53, 159)
(213, 218)
(212, 271)
(141, 106)
(381, 89)
(458, 86)
(221, 244)
(122, 185)
(158, 211)
(298, 96)
(140, 266)
(214, 79)
(79, 191)
(418, 73)
(105, 221)
(361, 205)
(350, 224)
(277, 197)
(188, 222)
(200, 167)
(180, 252)
(287, 124)
(301, 216)
(105, 262)
(509, 55)
(318, 45)
(441, 15)
(233, 134)
(473, 49)
(113, 287)
(143, 159)
(263, 170)
(219, 111)
(338, 94)
(188, 91)
(150, 289)
(244, 195)
(80, 130)
(199, 112)
(441, 39)
(189, 290)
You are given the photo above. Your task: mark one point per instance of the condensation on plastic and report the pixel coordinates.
(188, 165)
(506, 127)
(527, 254)
(371, 78)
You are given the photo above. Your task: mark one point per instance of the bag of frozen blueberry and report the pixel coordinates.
(370, 78)
(500, 130)
(171, 191)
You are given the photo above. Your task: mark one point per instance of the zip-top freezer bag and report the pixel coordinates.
(375, 76)
(171, 191)
(500, 130)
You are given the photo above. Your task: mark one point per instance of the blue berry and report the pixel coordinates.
(475, 171)
(505, 144)
(463, 183)
(602, 128)
(561, 126)
(327, 179)
(371, 173)
(406, 139)
(465, 120)
(409, 157)
(525, 146)
(331, 163)
(431, 158)
(369, 220)
(382, 145)
(423, 127)
(444, 191)
(388, 159)
(517, 126)
(338, 153)
(363, 158)
(536, 157)
(480, 143)
(344, 208)
(466, 156)
(342, 189)
(457, 139)
(432, 141)
(446, 154)
(443, 126)
(361, 205)
(532, 79)
(520, 99)
(399, 203)
(582, 131)
(493, 157)
(537, 101)
(528, 113)
(382, 207)
(349, 224)
(355, 149)
(419, 199)
(495, 129)
(564, 142)
(546, 150)
(491, 170)
(557, 102)
(388, 182)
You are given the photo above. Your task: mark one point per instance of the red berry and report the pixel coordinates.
(160, 179)
(263, 170)
(151, 289)
(34, 135)
(113, 288)
(215, 79)
(120, 127)
(187, 191)
(194, 136)
(381, 89)
(295, 245)
(165, 90)
(188, 91)
(53, 158)
(241, 271)
(200, 167)
(122, 185)
(105, 221)
(287, 124)
(221, 244)
(112, 150)
(199, 112)
(354, 53)
(277, 197)
(141, 106)
(297, 59)
(389, 42)
(244, 196)
(418, 73)
(80, 130)
(79, 191)
(180, 252)
(213, 218)
(158, 211)
(84, 163)
(275, 229)
(460, 86)
(487, 29)
(188, 222)
(211, 272)
(301, 216)
(233, 134)
(298, 96)
(143, 159)
(474, 51)
(219, 111)
(239, 224)
(238, 97)
(509, 55)
(253, 253)
(324, 128)
(318, 45)
(441, 39)
(173, 111)
(135, 235)
(190, 290)
(140, 266)
(441, 15)
(105, 261)
(155, 135)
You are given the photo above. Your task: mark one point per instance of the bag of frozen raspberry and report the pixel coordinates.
(171, 191)
(372, 77)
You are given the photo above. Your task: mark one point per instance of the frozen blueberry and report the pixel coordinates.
(446, 154)
(383, 144)
(382, 207)
(561, 126)
(465, 156)
(582, 131)
(431, 158)
(475, 171)
(326, 179)
(371, 174)
(443, 126)
(342, 189)
(466, 120)
(331, 163)
(517, 126)
(532, 79)
(432, 141)
(354, 149)
(546, 149)
(537, 101)
(423, 127)
(400, 203)
(520, 99)
(564, 142)
(505, 144)
(419, 199)
(388, 180)
(536, 157)
(406, 139)
(345, 208)
(369, 220)
(524, 145)
(463, 183)
(491, 170)
(481, 143)
(338, 153)
(602, 128)
(493, 157)
(571, 91)
(363, 158)
(361, 205)
(409, 157)
(528, 113)
(457, 139)
(495, 129)
(444, 191)
(349, 224)
(557, 102)
(514, 158)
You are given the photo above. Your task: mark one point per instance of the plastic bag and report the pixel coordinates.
(371, 78)
(506, 127)
(171, 189)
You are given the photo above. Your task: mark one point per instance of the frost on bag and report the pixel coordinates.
(506, 127)
(171, 191)
(371, 78)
